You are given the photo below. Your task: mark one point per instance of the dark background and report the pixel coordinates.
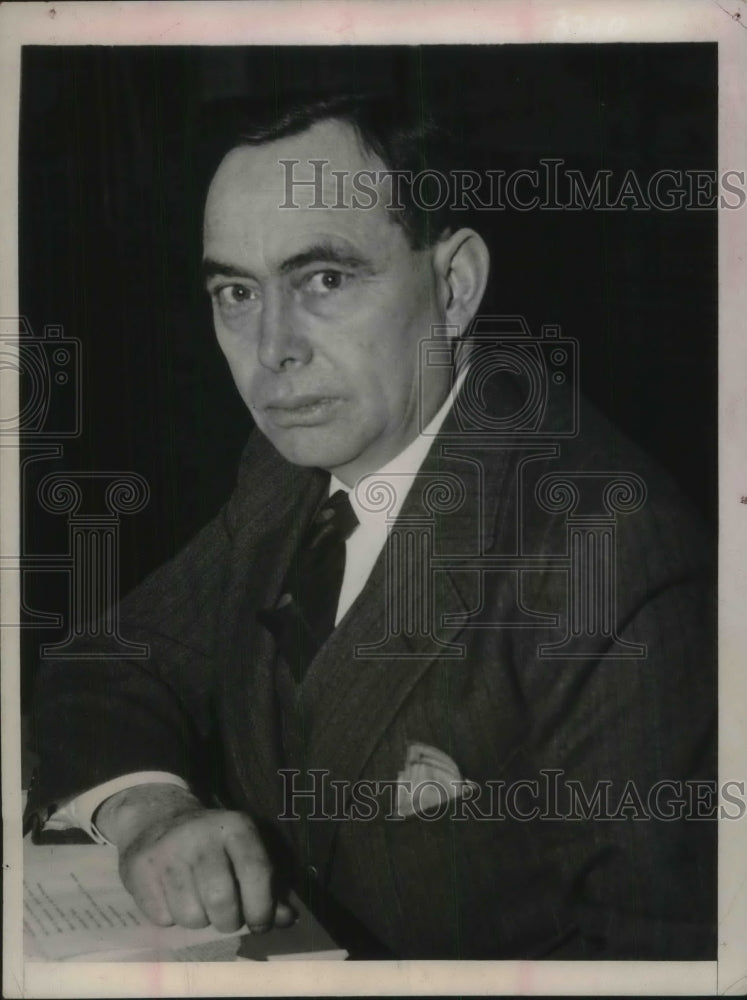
(112, 180)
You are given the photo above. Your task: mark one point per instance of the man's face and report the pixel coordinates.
(319, 311)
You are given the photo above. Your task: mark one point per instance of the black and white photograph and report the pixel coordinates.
(370, 439)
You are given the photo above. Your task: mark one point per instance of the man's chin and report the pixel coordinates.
(311, 447)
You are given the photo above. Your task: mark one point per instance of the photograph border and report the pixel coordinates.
(326, 22)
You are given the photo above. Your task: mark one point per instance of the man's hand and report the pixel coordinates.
(189, 865)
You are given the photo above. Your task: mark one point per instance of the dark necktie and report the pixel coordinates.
(304, 614)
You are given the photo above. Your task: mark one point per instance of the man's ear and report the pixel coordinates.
(462, 264)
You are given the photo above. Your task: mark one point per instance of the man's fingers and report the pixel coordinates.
(219, 892)
(182, 896)
(200, 868)
(142, 880)
(254, 875)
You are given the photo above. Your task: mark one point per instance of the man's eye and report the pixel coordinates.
(325, 281)
(234, 296)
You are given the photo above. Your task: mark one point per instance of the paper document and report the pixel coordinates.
(75, 907)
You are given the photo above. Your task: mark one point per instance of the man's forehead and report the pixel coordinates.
(327, 147)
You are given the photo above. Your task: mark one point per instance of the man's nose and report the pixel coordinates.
(282, 343)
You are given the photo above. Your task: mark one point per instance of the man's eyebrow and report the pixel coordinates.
(323, 253)
(210, 268)
(317, 253)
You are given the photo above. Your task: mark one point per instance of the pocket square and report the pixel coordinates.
(429, 780)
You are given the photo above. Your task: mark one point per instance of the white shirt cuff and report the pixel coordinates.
(78, 812)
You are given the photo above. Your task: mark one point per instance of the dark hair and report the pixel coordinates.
(404, 138)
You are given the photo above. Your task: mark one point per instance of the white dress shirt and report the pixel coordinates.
(362, 549)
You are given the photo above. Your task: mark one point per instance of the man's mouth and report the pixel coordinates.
(304, 410)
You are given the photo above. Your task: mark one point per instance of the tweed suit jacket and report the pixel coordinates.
(517, 877)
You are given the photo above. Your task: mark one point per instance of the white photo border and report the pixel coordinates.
(336, 22)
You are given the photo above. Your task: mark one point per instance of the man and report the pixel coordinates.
(257, 742)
